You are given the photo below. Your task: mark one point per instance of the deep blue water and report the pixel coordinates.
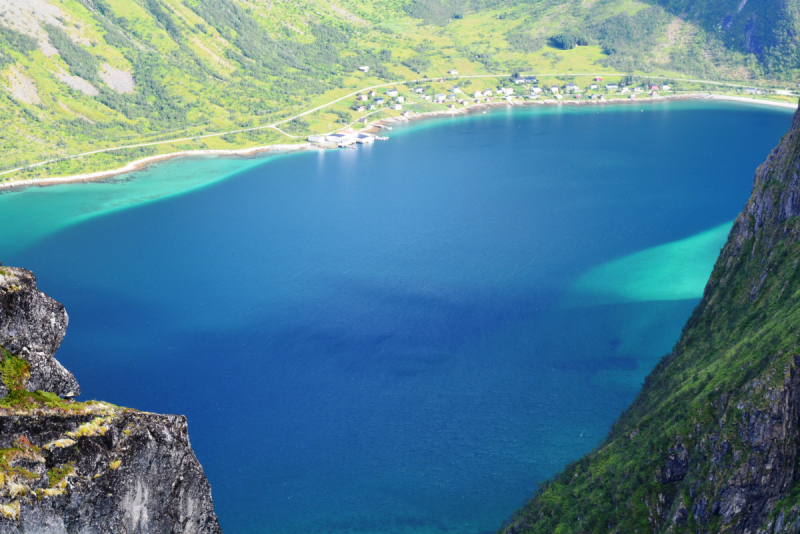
(376, 340)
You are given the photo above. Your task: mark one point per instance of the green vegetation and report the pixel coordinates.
(57, 474)
(205, 67)
(13, 370)
(12, 40)
(22, 449)
(736, 354)
(568, 41)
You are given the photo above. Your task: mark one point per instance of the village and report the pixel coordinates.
(452, 93)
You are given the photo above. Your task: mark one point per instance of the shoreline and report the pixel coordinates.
(372, 127)
(139, 164)
(375, 126)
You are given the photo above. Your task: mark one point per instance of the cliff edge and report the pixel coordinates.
(712, 442)
(88, 467)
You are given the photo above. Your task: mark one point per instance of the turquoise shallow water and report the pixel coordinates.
(404, 337)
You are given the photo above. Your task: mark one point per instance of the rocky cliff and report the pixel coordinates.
(712, 442)
(88, 467)
(32, 326)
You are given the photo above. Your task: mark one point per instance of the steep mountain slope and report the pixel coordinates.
(767, 29)
(80, 75)
(711, 442)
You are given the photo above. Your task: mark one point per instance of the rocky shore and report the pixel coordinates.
(88, 467)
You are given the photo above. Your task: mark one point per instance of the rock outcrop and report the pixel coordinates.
(712, 442)
(32, 326)
(83, 467)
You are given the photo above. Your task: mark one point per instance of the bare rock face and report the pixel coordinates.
(110, 471)
(83, 467)
(32, 326)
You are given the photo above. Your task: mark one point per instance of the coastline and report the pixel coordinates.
(374, 127)
(141, 163)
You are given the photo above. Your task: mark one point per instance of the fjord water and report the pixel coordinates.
(404, 337)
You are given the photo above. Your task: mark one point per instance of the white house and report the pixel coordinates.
(477, 94)
(363, 98)
(440, 98)
(397, 107)
(419, 90)
(391, 92)
(372, 93)
(554, 89)
(625, 90)
(571, 87)
(612, 86)
(361, 109)
(408, 113)
(509, 91)
(456, 89)
(316, 138)
(665, 87)
(400, 99)
(536, 90)
(593, 86)
(364, 68)
(380, 101)
(452, 72)
(559, 97)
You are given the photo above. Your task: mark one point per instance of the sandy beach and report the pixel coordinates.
(141, 163)
(375, 127)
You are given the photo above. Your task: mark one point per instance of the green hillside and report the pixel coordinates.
(711, 442)
(83, 75)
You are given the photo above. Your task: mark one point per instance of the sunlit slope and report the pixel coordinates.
(86, 74)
